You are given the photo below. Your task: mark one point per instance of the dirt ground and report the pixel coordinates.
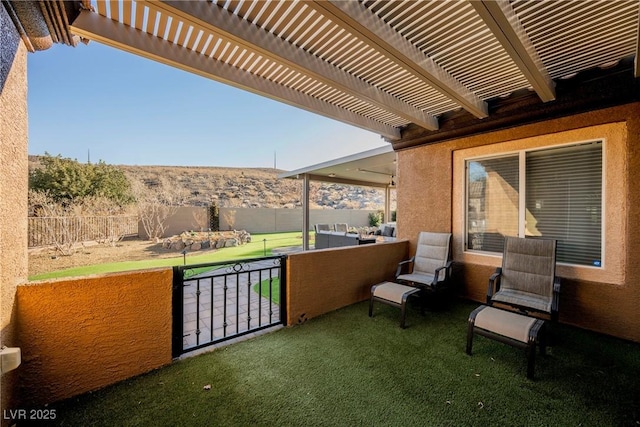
(46, 260)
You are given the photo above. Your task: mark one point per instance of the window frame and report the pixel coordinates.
(522, 209)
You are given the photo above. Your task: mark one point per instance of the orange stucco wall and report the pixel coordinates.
(13, 188)
(82, 334)
(606, 301)
(325, 280)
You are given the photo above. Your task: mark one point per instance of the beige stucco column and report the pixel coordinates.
(305, 211)
(13, 187)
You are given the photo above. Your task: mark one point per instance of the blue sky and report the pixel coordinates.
(125, 109)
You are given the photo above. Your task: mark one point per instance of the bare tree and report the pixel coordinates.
(105, 227)
(201, 218)
(155, 205)
(62, 223)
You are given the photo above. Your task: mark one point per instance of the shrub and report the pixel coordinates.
(65, 181)
(214, 217)
(375, 218)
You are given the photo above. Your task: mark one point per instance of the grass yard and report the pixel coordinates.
(138, 255)
(272, 293)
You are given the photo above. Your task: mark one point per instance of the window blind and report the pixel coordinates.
(564, 200)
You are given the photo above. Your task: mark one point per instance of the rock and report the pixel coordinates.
(196, 241)
(243, 237)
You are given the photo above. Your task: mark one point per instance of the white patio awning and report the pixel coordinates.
(372, 168)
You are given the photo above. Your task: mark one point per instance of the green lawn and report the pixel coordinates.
(251, 250)
(347, 369)
(263, 287)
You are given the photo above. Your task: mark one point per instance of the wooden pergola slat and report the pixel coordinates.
(503, 23)
(139, 14)
(636, 63)
(213, 19)
(368, 27)
(388, 66)
(95, 27)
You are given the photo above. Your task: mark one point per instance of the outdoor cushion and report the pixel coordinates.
(510, 328)
(505, 323)
(394, 294)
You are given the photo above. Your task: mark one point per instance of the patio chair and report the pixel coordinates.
(526, 281)
(525, 284)
(430, 267)
(431, 271)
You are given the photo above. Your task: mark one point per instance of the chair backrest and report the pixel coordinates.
(529, 265)
(341, 227)
(432, 252)
(322, 227)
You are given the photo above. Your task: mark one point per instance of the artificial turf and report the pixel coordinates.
(346, 369)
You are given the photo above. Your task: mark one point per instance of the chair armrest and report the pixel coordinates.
(447, 273)
(494, 284)
(402, 265)
(555, 301)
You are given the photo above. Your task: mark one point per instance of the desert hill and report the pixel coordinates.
(246, 187)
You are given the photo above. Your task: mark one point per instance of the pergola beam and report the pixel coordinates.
(206, 16)
(365, 25)
(636, 62)
(346, 181)
(502, 21)
(95, 27)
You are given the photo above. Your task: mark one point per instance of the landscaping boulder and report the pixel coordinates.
(195, 241)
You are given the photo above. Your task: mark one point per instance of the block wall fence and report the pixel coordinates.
(260, 220)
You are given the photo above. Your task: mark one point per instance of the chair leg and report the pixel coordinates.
(531, 360)
(470, 337)
(423, 301)
(403, 311)
(542, 339)
(371, 307)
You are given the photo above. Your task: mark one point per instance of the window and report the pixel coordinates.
(551, 193)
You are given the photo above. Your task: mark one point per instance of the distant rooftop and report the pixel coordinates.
(375, 168)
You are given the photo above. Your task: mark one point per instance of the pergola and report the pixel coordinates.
(372, 168)
(415, 72)
(406, 70)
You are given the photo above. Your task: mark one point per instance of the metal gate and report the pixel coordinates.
(220, 301)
